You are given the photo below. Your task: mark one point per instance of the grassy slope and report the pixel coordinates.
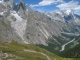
(16, 52)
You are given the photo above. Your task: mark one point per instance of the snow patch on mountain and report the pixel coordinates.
(49, 16)
(68, 12)
(1, 13)
(1, 1)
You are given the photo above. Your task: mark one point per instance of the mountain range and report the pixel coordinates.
(20, 23)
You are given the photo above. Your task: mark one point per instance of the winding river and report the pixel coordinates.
(63, 46)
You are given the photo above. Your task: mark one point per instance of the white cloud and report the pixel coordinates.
(73, 5)
(47, 2)
(63, 5)
(77, 8)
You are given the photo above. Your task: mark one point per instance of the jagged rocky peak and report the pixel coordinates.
(22, 5)
(21, 8)
(21, 0)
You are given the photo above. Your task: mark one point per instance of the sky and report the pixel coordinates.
(52, 5)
